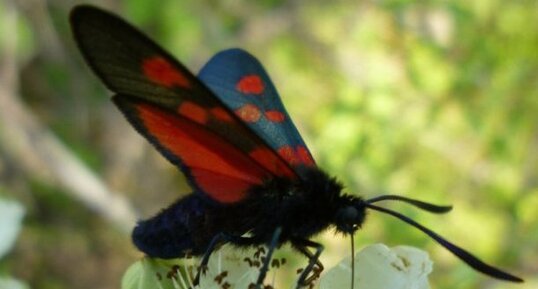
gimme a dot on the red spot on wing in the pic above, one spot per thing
(193, 111)
(250, 84)
(304, 156)
(217, 167)
(288, 154)
(297, 156)
(221, 114)
(271, 162)
(160, 71)
(248, 113)
(274, 116)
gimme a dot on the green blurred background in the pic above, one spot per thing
(436, 100)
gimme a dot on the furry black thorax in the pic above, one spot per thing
(304, 207)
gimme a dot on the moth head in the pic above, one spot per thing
(350, 215)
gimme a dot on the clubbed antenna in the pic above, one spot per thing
(465, 256)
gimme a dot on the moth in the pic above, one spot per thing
(253, 178)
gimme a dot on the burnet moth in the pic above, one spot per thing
(254, 180)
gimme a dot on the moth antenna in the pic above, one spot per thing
(429, 207)
(465, 256)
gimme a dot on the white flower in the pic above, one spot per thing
(376, 267)
(11, 214)
(228, 268)
(379, 267)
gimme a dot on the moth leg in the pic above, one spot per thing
(203, 265)
(313, 259)
(316, 270)
(265, 267)
(218, 239)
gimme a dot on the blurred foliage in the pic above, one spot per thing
(432, 99)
